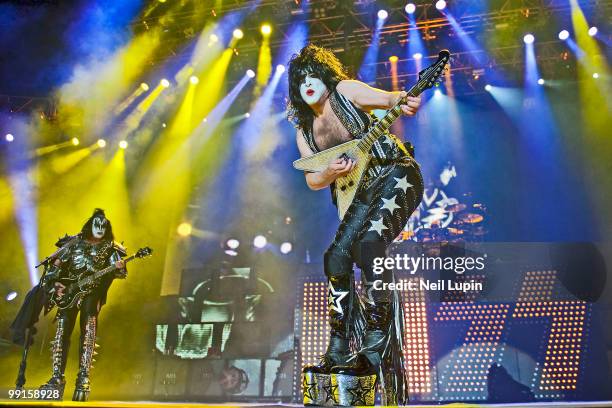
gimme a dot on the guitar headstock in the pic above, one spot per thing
(143, 252)
(430, 76)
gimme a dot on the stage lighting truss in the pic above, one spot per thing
(347, 25)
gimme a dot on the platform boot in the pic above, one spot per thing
(356, 381)
(86, 353)
(316, 379)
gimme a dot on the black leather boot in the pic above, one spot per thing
(59, 354)
(317, 388)
(357, 380)
(87, 351)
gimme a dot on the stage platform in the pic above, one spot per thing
(147, 404)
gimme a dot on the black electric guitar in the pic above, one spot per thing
(77, 288)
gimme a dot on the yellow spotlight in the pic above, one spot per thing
(266, 29)
(393, 58)
(101, 142)
(123, 144)
(194, 80)
(144, 86)
(213, 38)
(238, 34)
(184, 229)
(595, 75)
(75, 141)
(165, 83)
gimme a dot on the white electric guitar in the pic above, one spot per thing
(359, 149)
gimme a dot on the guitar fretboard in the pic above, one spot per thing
(97, 275)
(425, 81)
(365, 144)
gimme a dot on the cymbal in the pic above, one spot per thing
(471, 218)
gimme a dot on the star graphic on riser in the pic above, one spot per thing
(378, 226)
(390, 204)
(330, 392)
(335, 297)
(402, 183)
(359, 394)
(308, 388)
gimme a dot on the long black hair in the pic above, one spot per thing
(86, 230)
(323, 64)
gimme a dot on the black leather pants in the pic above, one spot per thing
(376, 217)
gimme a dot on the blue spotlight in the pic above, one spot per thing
(382, 14)
(541, 81)
(280, 68)
(415, 43)
(417, 55)
(250, 73)
(286, 247)
(488, 88)
(465, 39)
(9, 137)
(367, 71)
(440, 4)
(410, 8)
(260, 241)
(563, 35)
(528, 39)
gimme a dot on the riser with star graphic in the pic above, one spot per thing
(451, 345)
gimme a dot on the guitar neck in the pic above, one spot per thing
(97, 275)
(365, 144)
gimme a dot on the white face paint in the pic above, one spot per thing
(312, 89)
(98, 227)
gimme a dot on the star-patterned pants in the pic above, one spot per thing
(378, 214)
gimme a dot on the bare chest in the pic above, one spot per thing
(328, 131)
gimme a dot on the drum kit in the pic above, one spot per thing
(457, 221)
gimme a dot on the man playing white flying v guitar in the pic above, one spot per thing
(376, 185)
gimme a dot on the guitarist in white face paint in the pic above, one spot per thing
(91, 250)
(329, 109)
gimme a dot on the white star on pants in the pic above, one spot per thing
(402, 183)
(334, 298)
(390, 204)
(377, 226)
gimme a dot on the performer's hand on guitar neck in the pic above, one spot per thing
(340, 167)
(412, 103)
(120, 273)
